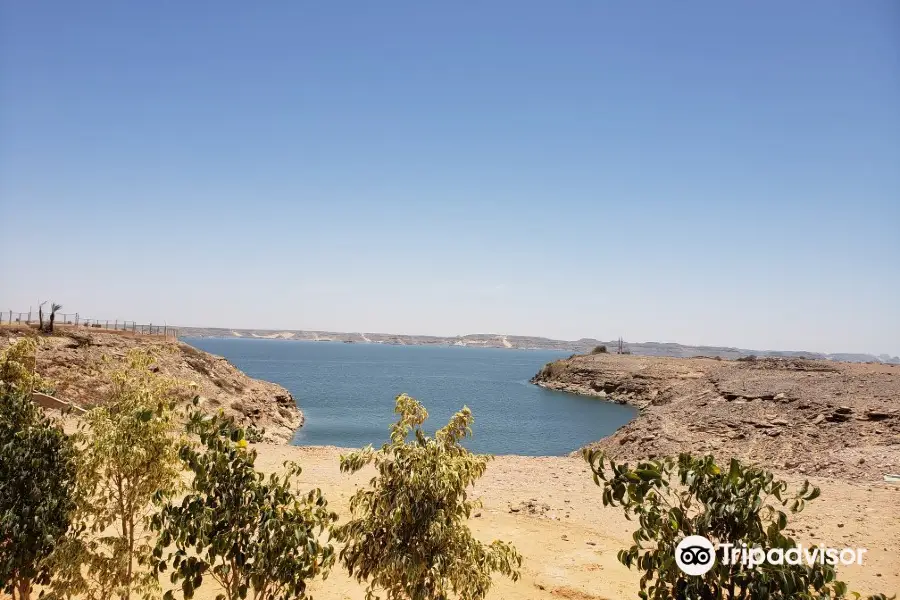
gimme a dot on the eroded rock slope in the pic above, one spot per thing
(805, 416)
(77, 362)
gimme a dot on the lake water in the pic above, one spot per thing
(347, 392)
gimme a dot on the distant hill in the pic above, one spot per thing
(488, 340)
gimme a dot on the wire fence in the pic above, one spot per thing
(30, 318)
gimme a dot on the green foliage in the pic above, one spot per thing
(694, 496)
(254, 434)
(129, 457)
(408, 535)
(599, 350)
(246, 531)
(37, 481)
(17, 367)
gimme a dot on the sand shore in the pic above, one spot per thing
(551, 510)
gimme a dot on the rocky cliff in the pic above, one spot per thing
(73, 360)
(798, 415)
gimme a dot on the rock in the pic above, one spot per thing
(844, 410)
(879, 415)
(779, 396)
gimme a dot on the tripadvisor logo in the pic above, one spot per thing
(696, 555)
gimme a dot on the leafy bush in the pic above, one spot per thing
(599, 350)
(17, 367)
(693, 496)
(129, 457)
(37, 482)
(408, 535)
(246, 531)
(254, 434)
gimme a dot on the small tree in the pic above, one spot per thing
(130, 457)
(599, 350)
(246, 531)
(693, 496)
(408, 535)
(37, 480)
(53, 308)
(18, 363)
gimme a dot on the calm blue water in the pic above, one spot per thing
(347, 392)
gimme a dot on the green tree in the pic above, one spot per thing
(18, 367)
(672, 499)
(246, 531)
(37, 481)
(130, 456)
(408, 534)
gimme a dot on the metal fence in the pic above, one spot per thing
(11, 317)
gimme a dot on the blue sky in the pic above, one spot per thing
(701, 172)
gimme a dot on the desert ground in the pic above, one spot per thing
(550, 509)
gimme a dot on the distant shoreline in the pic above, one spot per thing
(487, 340)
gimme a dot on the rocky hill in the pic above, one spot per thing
(73, 361)
(805, 416)
(492, 340)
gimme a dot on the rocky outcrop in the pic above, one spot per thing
(77, 363)
(799, 415)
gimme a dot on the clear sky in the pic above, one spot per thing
(700, 172)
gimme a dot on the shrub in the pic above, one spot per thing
(599, 350)
(254, 434)
(408, 535)
(17, 367)
(693, 496)
(37, 482)
(129, 457)
(246, 531)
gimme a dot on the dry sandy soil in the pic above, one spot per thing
(551, 510)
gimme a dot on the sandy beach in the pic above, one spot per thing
(550, 509)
